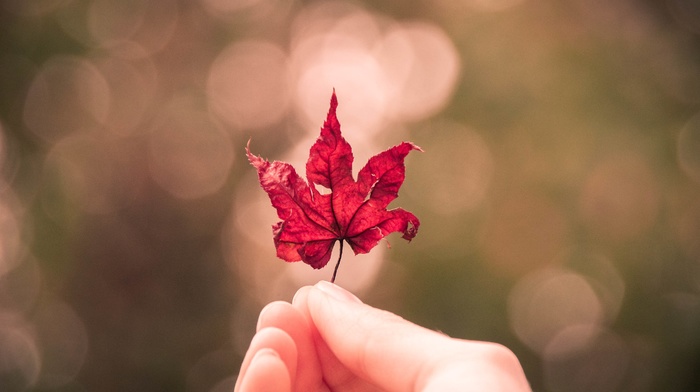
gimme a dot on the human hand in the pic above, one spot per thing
(328, 340)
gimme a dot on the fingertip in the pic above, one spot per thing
(266, 372)
(292, 321)
(301, 295)
(271, 308)
(325, 301)
(284, 316)
(336, 292)
(274, 339)
(377, 345)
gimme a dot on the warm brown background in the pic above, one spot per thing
(559, 191)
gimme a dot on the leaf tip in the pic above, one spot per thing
(411, 229)
(247, 149)
(252, 158)
(334, 101)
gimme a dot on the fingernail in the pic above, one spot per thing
(261, 315)
(299, 293)
(337, 292)
(262, 354)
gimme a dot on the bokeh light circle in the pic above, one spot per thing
(63, 341)
(428, 68)
(620, 197)
(248, 84)
(459, 169)
(21, 288)
(69, 95)
(20, 358)
(542, 304)
(190, 156)
(149, 23)
(600, 361)
(133, 86)
(110, 21)
(94, 174)
(405, 71)
(330, 64)
(332, 47)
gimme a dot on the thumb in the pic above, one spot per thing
(377, 345)
(397, 355)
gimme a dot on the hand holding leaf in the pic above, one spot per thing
(354, 211)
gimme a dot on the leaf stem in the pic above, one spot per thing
(340, 256)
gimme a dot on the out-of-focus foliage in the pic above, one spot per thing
(559, 191)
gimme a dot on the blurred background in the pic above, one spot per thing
(559, 190)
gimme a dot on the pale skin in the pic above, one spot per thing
(328, 340)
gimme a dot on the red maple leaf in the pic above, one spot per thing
(354, 212)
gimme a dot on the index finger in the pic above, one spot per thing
(379, 346)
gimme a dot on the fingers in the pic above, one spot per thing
(286, 317)
(327, 339)
(397, 355)
(266, 373)
(375, 345)
(336, 375)
(270, 363)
